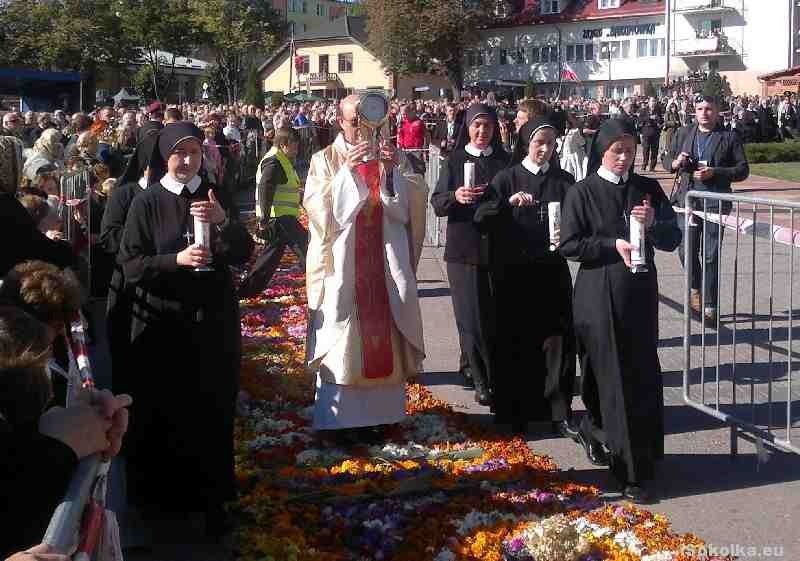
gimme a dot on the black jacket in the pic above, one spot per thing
(724, 153)
(650, 122)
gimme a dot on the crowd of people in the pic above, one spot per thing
(155, 230)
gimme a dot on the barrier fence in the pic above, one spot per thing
(434, 226)
(739, 367)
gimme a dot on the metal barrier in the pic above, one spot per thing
(747, 378)
(434, 225)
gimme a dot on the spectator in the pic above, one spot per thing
(650, 122)
(48, 150)
(766, 121)
(411, 134)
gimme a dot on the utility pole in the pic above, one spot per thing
(560, 63)
(668, 39)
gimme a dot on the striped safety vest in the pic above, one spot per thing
(287, 196)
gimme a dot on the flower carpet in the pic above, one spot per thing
(438, 487)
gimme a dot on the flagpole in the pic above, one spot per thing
(291, 56)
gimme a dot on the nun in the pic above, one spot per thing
(134, 181)
(533, 350)
(465, 249)
(184, 353)
(616, 309)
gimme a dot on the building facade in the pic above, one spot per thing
(335, 62)
(311, 15)
(613, 48)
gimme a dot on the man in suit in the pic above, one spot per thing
(706, 158)
(446, 131)
(650, 121)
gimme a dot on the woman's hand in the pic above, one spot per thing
(194, 256)
(41, 552)
(645, 213)
(469, 195)
(521, 199)
(624, 249)
(208, 211)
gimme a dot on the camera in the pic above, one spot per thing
(690, 165)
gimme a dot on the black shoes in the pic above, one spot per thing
(469, 383)
(594, 449)
(637, 494)
(566, 429)
(482, 397)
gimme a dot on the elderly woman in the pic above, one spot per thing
(48, 149)
(616, 310)
(15, 222)
(185, 334)
(478, 144)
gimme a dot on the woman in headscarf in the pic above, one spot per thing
(185, 335)
(533, 351)
(465, 252)
(120, 297)
(22, 240)
(48, 149)
(616, 310)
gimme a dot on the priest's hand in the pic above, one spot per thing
(41, 552)
(645, 213)
(624, 249)
(194, 256)
(355, 155)
(208, 211)
(521, 199)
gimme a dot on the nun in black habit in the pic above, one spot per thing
(120, 299)
(465, 251)
(533, 350)
(616, 310)
(185, 335)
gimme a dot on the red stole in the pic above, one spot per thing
(372, 297)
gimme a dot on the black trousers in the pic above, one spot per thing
(649, 151)
(473, 307)
(282, 232)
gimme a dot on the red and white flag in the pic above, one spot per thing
(568, 74)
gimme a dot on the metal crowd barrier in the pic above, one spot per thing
(739, 368)
(434, 226)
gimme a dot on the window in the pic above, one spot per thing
(570, 53)
(579, 53)
(650, 47)
(535, 56)
(624, 49)
(605, 4)
(503, 56)
(517, 56)
(589, 51)
(641, 47)
(324, 66)
(345, 62)
(322, 10)
(550, 6)
(549, 54)
(710, 28)
(609, 50)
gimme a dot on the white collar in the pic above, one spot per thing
(533, 167)
(473, 151)
(143, 182)
(610, 176)
(176, 187)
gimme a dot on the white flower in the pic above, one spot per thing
(445, 555)
(308, 456)
(269, 424)
(628, 540)
(392, 451)
(660, 556)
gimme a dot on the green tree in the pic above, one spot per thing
(530, 88)
(717, 86)
(410, 36)
(236, 30)
(650, 89)
(162, 30)
(254, 91)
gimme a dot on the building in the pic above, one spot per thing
(313, 15)
(612, 48)
(777, 83)
(334, 62)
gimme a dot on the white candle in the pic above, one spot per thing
(638, 260)
(554, 219)
(469, 174)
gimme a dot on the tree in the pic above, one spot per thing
(650, 89)
(717, 86)
(162, 30)
(530, 88)
(236, 30)
(411, 36)
(254, 91)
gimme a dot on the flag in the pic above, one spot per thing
(568, 74)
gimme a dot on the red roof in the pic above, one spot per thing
(795, 70)
(583, 10)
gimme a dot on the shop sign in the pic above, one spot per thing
(620, 30)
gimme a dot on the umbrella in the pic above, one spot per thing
(303, 97)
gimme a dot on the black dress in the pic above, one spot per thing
(184, 355)
(533, 348)
(616, 319)
(466, 254)
(120, 297)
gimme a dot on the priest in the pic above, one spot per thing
(366, 224)
(616, 310)
(185, 335)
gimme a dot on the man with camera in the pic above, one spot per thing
(706, 158)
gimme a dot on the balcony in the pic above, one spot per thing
(706, 6)
(712, 46)
(318, 79)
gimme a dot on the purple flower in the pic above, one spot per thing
(516, 545)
